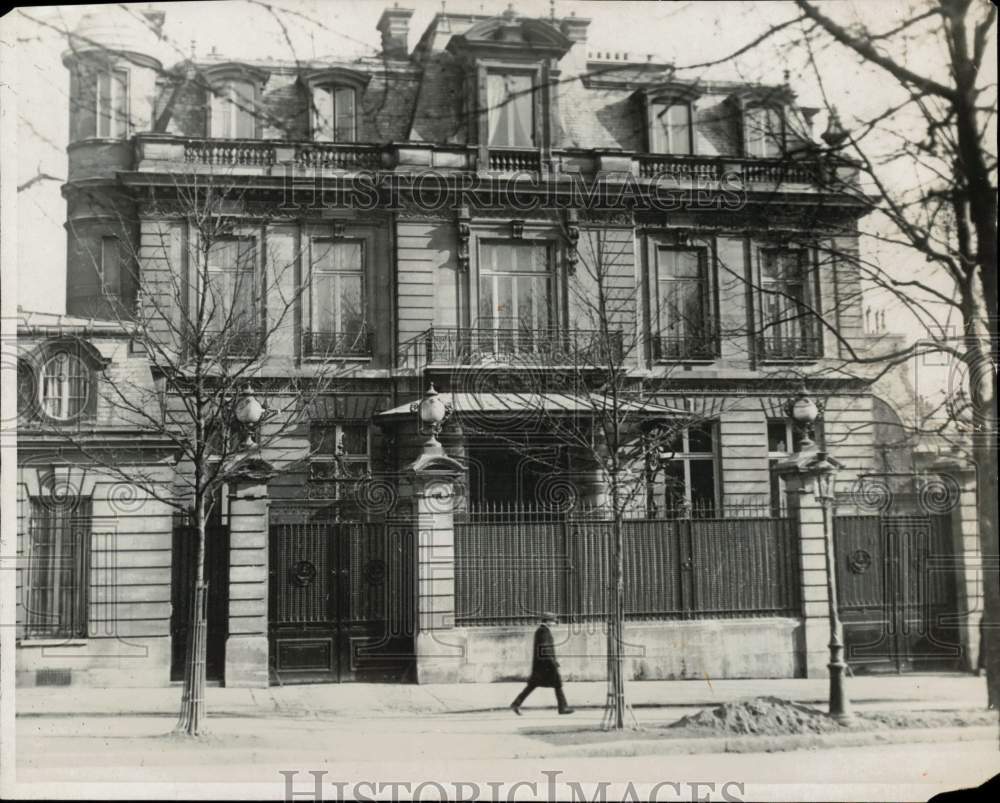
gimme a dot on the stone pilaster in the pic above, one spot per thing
(961, 480)
(247, 643)
(430, 486)
(802, 473)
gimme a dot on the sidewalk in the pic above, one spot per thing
(896, 692)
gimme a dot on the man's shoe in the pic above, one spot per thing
(515, 708)
(566, 710)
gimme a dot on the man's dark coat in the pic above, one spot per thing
(544, 666)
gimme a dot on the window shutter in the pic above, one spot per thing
(344, 130)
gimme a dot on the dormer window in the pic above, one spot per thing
(233, 115)
(234, 101)
(510, 108)
(670, 131)
(65, 381)
(334, 114)
(334, 97)
(764, 131)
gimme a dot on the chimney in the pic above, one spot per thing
(394, 25)
(575, 27)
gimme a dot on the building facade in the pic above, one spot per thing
(493, 209)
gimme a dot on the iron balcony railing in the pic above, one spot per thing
(695, 345)
(544, 347)
(356, 344)
(789, 347)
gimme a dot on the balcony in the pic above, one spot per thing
(515, 160)
(778, 348)
(700, 346)
(704, 171)
(521, 348)
(331, 345)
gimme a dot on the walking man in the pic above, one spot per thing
(544, 667)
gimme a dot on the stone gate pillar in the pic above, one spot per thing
(955, 493)
(429, 485)
(807, 475)
(247, 643)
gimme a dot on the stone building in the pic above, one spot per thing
(455, 207)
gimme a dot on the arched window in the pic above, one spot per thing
(671, 127)
(764, 133)
(64, 385)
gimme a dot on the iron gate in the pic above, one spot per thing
(341, 601)
(896, 579)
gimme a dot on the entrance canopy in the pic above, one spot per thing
(501, 404)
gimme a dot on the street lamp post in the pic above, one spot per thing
(432, 413)
(804, 413)
(249, 413)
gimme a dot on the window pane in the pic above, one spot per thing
(65, 381)
(352, 317)
(703, 486)
(120, 102)
(345, 117)
(86, 109)
(323, 114)
(777, 436)
(678, 128)
(354, 440)
(510, 104)
(58, 568)
(110, 266)
(242, 100)
(679, 264)
(700, 438)
(104, 104)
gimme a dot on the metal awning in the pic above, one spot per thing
(551, 403)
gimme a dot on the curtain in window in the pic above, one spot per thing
(233, 111)
(681, 296)
(763, 131)
(337, 289)
(514, 286)
(335, 117)
(786, 319)
(510, 110)
(344, 115)
(671, 128)
(58, 575)
(231, 294)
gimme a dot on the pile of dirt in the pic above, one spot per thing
(765, 716)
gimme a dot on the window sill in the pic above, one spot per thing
(51, 642)
(317, 358)
(789, 360)
(685, 360)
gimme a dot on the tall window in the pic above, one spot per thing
(65, 386)
(231, 296)
(671, 131)
(786, 302)
(689, 469)
(58, 568)
(337, 293)
(338, 451)
(510, 105)
(682, 305)
(233, 110)
(514, 286)
(764, 131)
(102, 98)
(111, 266)
(334, 114)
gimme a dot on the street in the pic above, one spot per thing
(244, 757)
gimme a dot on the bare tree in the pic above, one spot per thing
(207, 317)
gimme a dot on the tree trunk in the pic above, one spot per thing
(616, 629)
(192, 712)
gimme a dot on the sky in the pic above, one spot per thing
(685, 33)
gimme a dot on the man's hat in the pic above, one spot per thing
(548, 616)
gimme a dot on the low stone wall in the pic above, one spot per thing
(109, 662)
(718, 648)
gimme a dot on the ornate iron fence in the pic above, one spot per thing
(512, 564)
